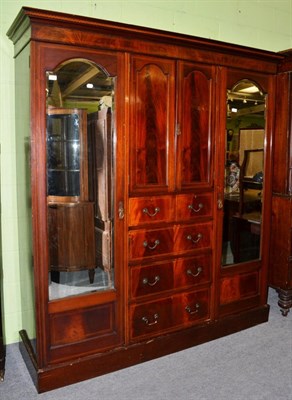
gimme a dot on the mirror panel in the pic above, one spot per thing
(80, 141)
(244, 177)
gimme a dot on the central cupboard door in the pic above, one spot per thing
(170, 194)
(171, 125)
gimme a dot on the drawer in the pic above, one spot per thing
(192, 237)
(149, 210)
(152, 279)
(192, 271)
(157, 317)
(145, 243)
(191, 206)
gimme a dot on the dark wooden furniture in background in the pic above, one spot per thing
(280, 275)
(71, 235)
(171, 291)
(248, 218)
(2, 349)
(70, 214)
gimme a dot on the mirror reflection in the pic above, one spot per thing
(244, 178)
(80, 178)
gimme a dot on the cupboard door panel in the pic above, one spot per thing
(194, 124)
(149, 210)
(152, 115)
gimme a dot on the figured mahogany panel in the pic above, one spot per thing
(239, 287)
(191, 206)
(180, 310)
(77, 325)
(148, 210)
(83, 330)
(152, 114)
(195, 105)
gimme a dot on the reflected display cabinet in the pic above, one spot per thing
(69, 210)
(122, 140)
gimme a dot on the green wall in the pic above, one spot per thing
(256, 23)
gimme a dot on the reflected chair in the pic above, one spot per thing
(246, 223)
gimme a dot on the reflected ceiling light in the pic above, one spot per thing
(250, 89)
(52, 77)
(233, 109)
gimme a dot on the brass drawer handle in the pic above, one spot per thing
(146, 282)
(146, 211)
(155, 318)
(199, 270)
(196, 210)
(192, 312)
(156, 243)
(199, 237)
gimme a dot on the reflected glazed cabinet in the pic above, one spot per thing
(70, 214)
(147, 214)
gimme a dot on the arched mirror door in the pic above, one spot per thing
(244, 173)
(80, 178)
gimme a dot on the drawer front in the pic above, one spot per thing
(192, 237)
(157, 317)
(152, 279)
(150, 243)
(192, 271)
(149, 210)
(192, 206)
